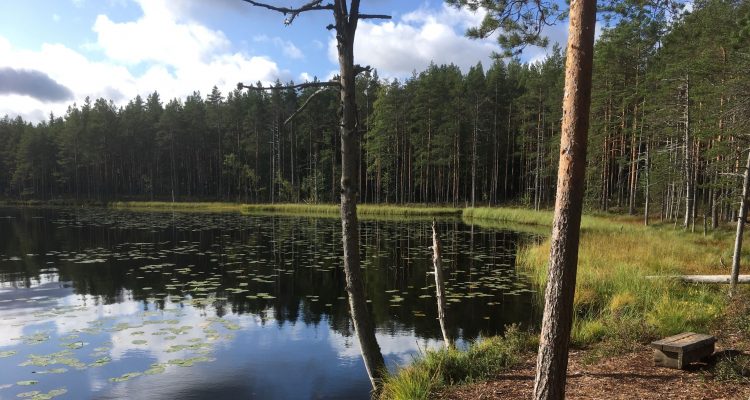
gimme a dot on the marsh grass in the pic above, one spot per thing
(291, 209)
(617, 308)
(480, 361)
(615, 303)
(177, 206)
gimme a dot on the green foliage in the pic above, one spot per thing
(616, 304)
(519, 23)
(363, 210)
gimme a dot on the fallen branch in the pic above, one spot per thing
(702, 278)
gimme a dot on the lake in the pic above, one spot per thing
(104, 304)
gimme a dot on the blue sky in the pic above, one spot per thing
(118, 49)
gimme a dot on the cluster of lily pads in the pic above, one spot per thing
(192, 345)
(210, 261)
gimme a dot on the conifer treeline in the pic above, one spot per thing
(669, 123)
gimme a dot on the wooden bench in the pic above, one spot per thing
(680, 350)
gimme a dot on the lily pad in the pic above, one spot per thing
(126, 377)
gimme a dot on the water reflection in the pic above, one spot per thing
(160, 305)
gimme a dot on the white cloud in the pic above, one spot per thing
(157, 36)
(399, 347)
(396, 48)
(176, 56)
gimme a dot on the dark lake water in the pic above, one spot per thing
(104, 304)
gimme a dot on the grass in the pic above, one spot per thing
(292, 209)
(179, 206)
(617, 308)
(615, 302)
(480, 361)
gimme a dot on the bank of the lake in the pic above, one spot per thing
(617, 309)
(314, 210)
(224, 304)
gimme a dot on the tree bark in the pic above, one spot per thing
(740, 230)
(552, 359)
(346, 25)
(437, 262)
(688, 175)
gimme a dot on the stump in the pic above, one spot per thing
(680, 350)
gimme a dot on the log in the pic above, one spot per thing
(437, 261)
(702, 278)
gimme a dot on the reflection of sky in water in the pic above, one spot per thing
(317, 362)
(273, 323)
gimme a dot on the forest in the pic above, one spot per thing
(667, 137)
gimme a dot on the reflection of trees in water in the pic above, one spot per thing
(300, 265)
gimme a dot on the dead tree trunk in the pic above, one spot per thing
(346, 25)
(740, 229)
(552, 360)
(437, 262)
(688, 175)
(346, 16)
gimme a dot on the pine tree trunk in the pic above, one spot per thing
(363, 324)
(740, 229)
(688, 175)
(557, 319)
(646, 194)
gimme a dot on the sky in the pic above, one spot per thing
(54, 53)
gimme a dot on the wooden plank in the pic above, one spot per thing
(689, 343)
(683, 342)
(659, 344)
(696, 354)
(702, 278)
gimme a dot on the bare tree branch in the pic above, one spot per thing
(304, 105)
(358, 69)
(305, 85)
(292, 13)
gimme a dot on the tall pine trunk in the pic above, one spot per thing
(552, 361)
(740, 229)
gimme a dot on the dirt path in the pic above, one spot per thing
(630, 376)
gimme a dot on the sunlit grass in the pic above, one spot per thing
(480, 361)
(619, 305)
(615, 300)
(178, 206)
(291, 209)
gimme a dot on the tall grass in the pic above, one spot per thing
(616, 301)
(544, 218)
(617, 307)
(295, 209)
(362, 209)
(480, 361)
(178, 206)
